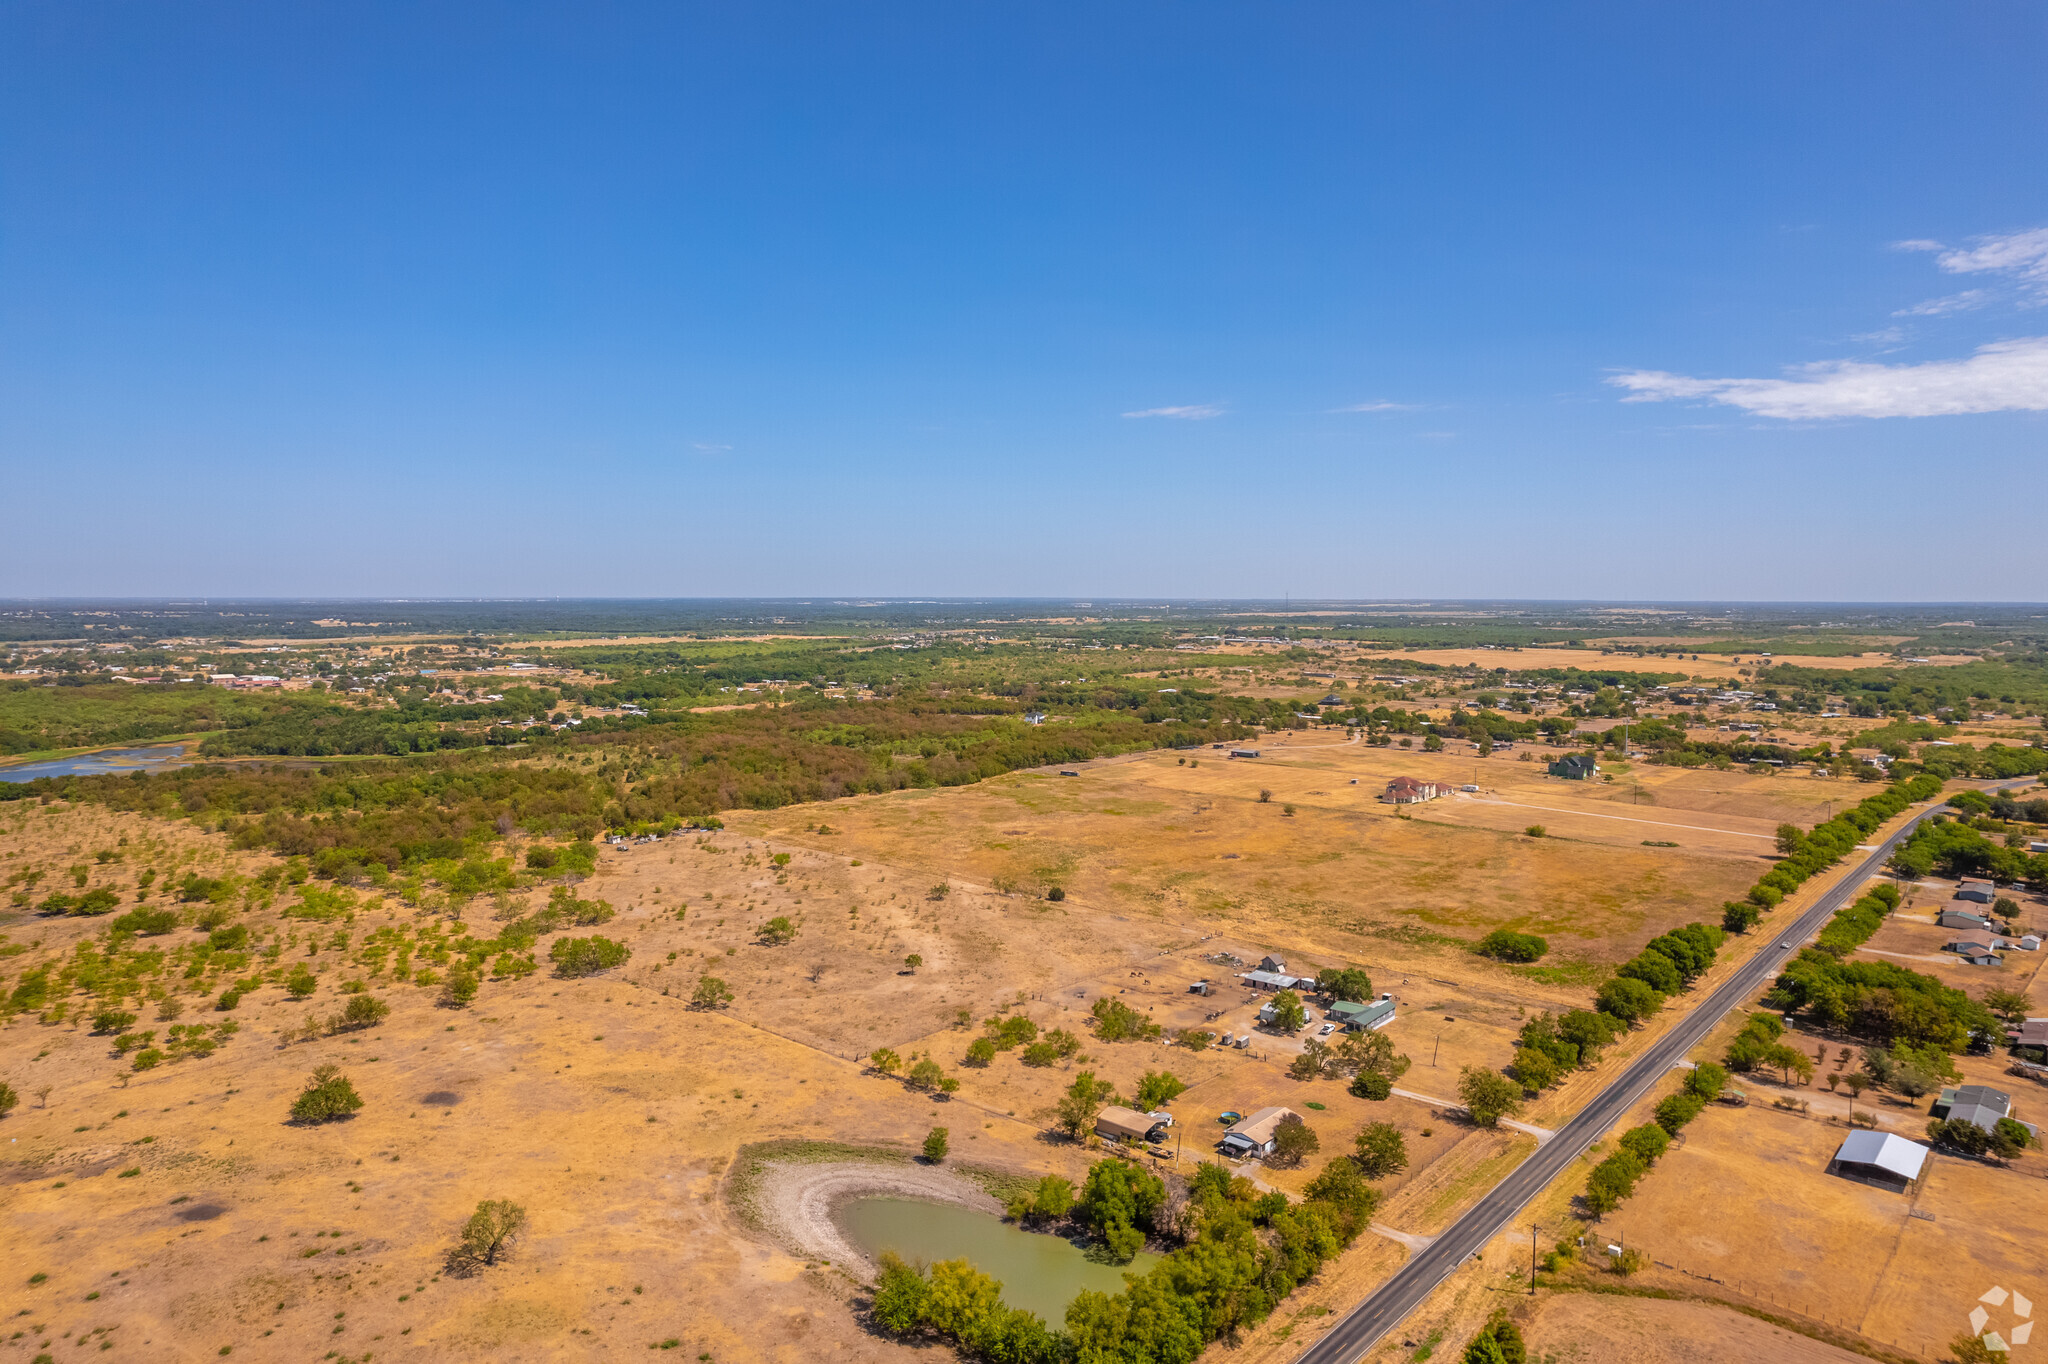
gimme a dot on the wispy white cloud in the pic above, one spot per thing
(1888, 336)
(1952, 303)
(1380, 406)
(706, 448)
(2023, 255)
(1198, 412)
(2002, 377)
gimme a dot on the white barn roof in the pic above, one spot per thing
(1884, 1150)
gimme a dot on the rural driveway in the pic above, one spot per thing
(1361, 1328)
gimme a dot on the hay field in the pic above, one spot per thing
(1193, 847)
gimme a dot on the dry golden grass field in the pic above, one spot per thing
(176, 1211)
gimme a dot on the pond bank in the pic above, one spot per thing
(798, 1201)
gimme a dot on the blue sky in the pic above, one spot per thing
(1570, 301)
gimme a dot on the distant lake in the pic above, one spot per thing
(106, 762)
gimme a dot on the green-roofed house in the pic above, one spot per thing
(1366, 1017)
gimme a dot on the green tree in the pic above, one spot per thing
(1707, 1080)
(301, 982)
(885, 1060)
(488, 1235)
(1077, 1109)
(1534, 1069)
(1116, 1021)
(1499, 1342)
(1313, 1061)
(1791, 838)
(1382, 1151)
(1738, 917)
(2010, 1138)
(912, 962)
(1288, 1013)
(1293, 1142)
(711, 993)
(980, 1052)
(328, 1095)
(778, 931)
(1488, 1095)
(1345, 983)
(926, 1076)
(8, 1098)
(1117, 1200)
(1158, 1088)
(1370, 1084)
(898, 1305)
(1628, 999)
(1655, 970)
(935, 1145)
(2010, 1005)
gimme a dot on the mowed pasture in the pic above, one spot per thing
(1344, 876)
(1747, 1200)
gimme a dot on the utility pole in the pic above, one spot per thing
(1532, 1259)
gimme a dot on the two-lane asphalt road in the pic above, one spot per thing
(1363, 1326)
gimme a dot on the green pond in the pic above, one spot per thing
(1039, 1273)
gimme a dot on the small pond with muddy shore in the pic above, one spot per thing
(1039, 1273)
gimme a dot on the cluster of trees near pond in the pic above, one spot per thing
(1239, 1255)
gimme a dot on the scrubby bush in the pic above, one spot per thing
(362, 1011)
(587, 956)
(328, 1095)
(459, 989)
(1116, 1021)
(1506, 945)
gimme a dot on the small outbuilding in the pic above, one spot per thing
(1882, 1160)
(1972, 888)
(1963, 918)
(1126, 1124)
